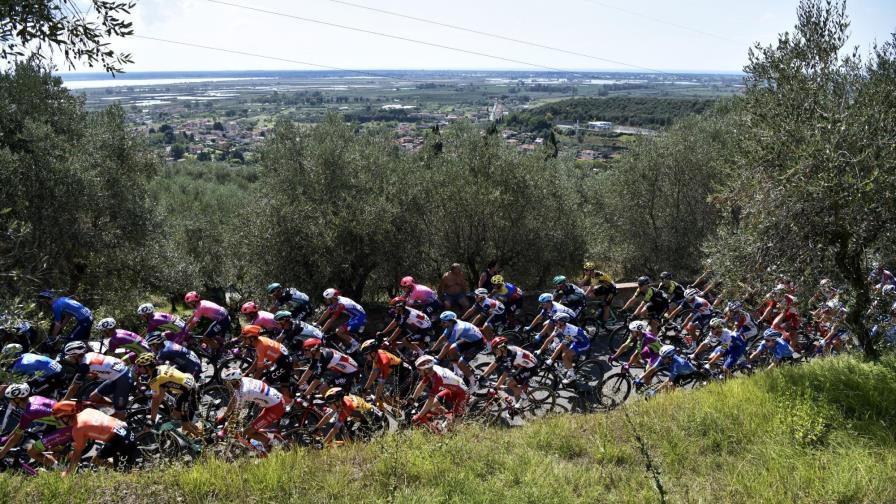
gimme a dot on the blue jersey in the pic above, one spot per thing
(35, 365)
(680, 367)
(67, 306)
(183, 358)
(555, 309)
(779, 351)
(463, 331)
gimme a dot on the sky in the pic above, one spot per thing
(681, 35)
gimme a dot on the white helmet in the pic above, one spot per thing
(667, 351)
(425, 362)
(106, 323)
(74, 348)
(888, 290)
(717, 323)
(146, 309)
(638, 325)
(481, 292)
(691, 293)
(12, 350)
(17, 390)
(155, 338)
(330, 293)
(231, 374)
(834, 305)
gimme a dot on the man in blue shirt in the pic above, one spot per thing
(64, 310)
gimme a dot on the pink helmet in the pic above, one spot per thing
(407, 281)
(249, 307)
(192, 297)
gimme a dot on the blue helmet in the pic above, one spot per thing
(448, 316)
(771, 334)
(545, 298)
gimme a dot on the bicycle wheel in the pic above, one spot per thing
(617, 338)
(540, 401)
(241, 363)
(213, 401)
(615, 390)
(590, 372)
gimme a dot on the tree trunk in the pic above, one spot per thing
(850, 261)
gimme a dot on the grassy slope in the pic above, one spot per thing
(818, 433)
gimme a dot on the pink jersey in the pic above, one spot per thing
(209, 310)
(265, 319)
(421, 294)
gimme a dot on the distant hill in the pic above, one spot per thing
(628, 111)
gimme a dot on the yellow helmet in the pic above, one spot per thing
(145, 360)
(588, 265)
(497, 280)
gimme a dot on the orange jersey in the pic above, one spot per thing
(385, 361)
(96, 425)
(268, 351)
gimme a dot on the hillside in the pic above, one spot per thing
(628, 111)
(817, 433)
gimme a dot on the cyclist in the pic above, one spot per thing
(701, 314)
(678, 366)
(131, 343)
(653, 305)
(647, 346)
(776, 346)
(382, 364)
(744, 325)
(293, 331)
(159, 321)
(118, 440)
(213, 336)
(549, 310)
(261, 318)
(297, 303)
(249, 390)
(601, 285)
(170, 352)
(674, 291)
(272, 361)
(516, 366)
(357, 318)
(420, 296)
(879, 277)
(787, 320)
(341, 407)
(460, 343)
(409, 327)
(44, 375)
(446, 392)
(727, 344)
(508, 294)
(569, 294)
(574, 343)
(328, 367)
(115, 374)
(36, 418)
(64, 310)
(832, 326)
(169, 380)
(489, 313)
(20, 333)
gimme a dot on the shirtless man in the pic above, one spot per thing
(453, 289)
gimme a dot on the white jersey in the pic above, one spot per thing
(342, 363)
(446, 379)
(723, 339)
(104, 367)
(258, 392)
(416, 318)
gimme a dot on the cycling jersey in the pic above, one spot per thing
(129, 341)
(256, 392)
(35, 366)
(265, 319)
(183, 358)
(208, 310)
(680, 367)
(413, 319)
(38, 410)
(171, 379)
(165, 322)
(421, 295)
(299, 332)
(780, 349)
(344, 304)
(267, 351)
(104, 366)
(699, 307)
(294, 301)
(507, 292)
(516, 357)
(744, 325)
(655, 296)
(555, 309)
(571, 294)
(335, 361)
(443, 379)
(574, 338)
(385, 361)
(96, 425)
(725, 340)
(463, 331)
(672, 289)
(349, 405)
(64, 306)
(490, 306)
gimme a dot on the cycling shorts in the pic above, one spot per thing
(355, 325)
(453, 400)
(268, 416)
(118, 389)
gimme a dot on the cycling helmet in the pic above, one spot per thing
(155, 338)
(334, 394)
(145, 360)
(889, 290)
(481, 292)
(369, 346)
(330, 293)
(691, 293)
(398, 301)
(499, 342)
(192, 297)
(561, 317)
(545, 298)
(274, 287)
(251, 331)
(771, 334)
(497, 280)
(249, 307)
(643, 280)
(282, 315)
(665, 275)
(835, 305)
(12, 350)
(407, 281)
(448, 316)
(65, 408)
(588, 265)
(311, 344)
(74, 348)
(106, 324)
(146, 309)
(825, 283)
(667, 351)
(638, 325)
(425, 362)
(734, 306)
(716, 323)
(231, 374)
(17, 390)
(559, 280)
(47, 294)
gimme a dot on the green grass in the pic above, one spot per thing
(818, 433)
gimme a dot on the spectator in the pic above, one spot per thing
(485, 278)
(453, 289)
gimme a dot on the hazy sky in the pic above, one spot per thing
(646, 33)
